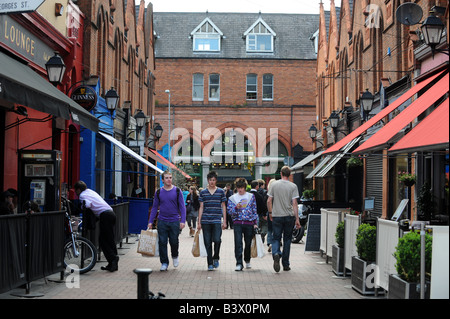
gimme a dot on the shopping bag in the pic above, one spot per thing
(148, 242)
(201, 241)
(196, 244)
(259, 246)
(253, 248)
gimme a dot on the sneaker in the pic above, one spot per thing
(216, 263)
(164, 267)
(286, 268)
(248, 265)
(176, 261)
(276, 263)
(238, 268)
(210, 268)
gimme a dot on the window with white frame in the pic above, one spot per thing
(259, 37)
(206, 37)
(197, 87)
(214, 87)
(252, 86)
(268, 87)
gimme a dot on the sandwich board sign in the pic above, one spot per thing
(18, 6)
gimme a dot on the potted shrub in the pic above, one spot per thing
(338, 250)
(363, 264)
(404, 285)
(309, 194)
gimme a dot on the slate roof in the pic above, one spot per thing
(293, 32)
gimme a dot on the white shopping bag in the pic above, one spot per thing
(259, 246)
(203, 252)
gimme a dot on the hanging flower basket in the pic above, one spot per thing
(408, 179)
(354, 162)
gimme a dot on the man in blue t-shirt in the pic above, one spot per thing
(212, 218)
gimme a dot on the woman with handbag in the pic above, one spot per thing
(242, 208)
(192, 209)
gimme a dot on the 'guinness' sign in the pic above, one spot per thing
(85, 96)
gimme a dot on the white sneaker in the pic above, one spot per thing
(164, 267)
(248, 266)
(238, 268)
(176, 262)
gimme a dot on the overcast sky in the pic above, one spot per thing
(251, 6)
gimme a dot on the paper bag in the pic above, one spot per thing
(196, 245)
(253, 248)
(148, 243)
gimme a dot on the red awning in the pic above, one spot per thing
(159, 158)
(430, 134)
(420, 105)
(379, 116)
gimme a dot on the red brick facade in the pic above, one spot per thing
(293, 93)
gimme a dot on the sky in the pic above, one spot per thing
(247, 6)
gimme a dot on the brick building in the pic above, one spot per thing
(364, 47)
(118, 47)
(247, 77)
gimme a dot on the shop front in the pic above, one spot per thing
(36, 116)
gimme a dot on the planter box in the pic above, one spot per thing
(338, 261)
(363, 277)
(401, 289)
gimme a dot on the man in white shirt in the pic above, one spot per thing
(105, 213)
(283, 212)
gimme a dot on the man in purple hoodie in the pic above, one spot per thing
(171, 218)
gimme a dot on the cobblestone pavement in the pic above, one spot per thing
(310, 277)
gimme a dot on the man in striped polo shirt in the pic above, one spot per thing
(212, 218)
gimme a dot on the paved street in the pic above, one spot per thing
(310, 278)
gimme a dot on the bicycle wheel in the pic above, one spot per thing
(80, 258)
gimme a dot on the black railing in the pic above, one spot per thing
(31, 248)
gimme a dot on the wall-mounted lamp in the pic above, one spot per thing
(313, 133)
(140, 120)
(55, 69)
(111, 98)
(432, 29)
(366, 102)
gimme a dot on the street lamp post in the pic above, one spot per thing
(170, 148)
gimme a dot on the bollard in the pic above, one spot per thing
(142, 284)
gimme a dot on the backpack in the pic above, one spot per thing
(178, 196)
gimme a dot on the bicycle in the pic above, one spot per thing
(80, 254)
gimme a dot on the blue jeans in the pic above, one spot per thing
(247, 231)
(168, 232)
(212, 233)
(282, 226)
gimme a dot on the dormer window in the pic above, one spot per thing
(259, 37)
(206, 37)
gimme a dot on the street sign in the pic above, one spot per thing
(16, 6)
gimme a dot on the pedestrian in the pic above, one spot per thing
(242, 207)
(91, 200)
(228, 193)
(192, 210)
(269, 220)
(212, 218)
(264, 221)
(283, 210)
(261, 208)
(6, 203)
(171, 219)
